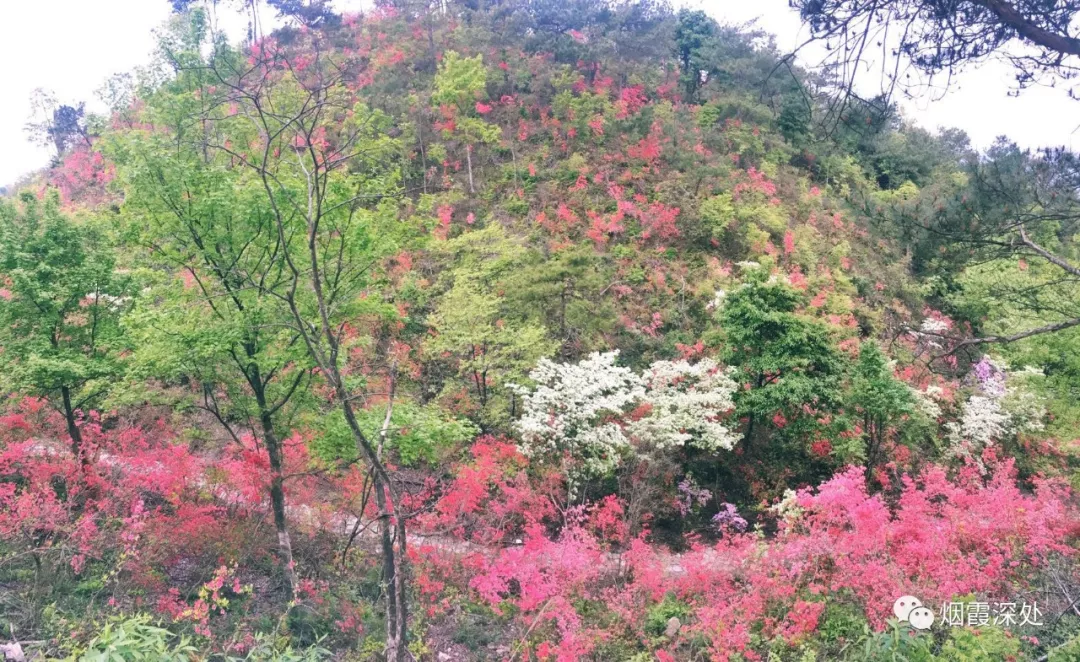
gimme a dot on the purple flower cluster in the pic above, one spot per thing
(729, 518)
(991, 377)
(690, 495)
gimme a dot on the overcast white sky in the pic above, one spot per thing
(71, 46)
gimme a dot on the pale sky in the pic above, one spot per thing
(71, 47)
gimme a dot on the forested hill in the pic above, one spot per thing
(565, 289)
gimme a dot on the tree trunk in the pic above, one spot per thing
(390, 527)
(389, 573)
(277, 479)
(748, 440)
(873, 432)
(468, 161)
(73, 429)
(748, 436)
(277, 503)
(392, 580)
(328, 359)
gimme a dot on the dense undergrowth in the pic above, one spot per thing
(659, 367)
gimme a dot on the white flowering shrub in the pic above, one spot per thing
(787, 509)
(113, 303)
(717, 302)
(927, 401)
(983, 421)
(930, 331)
(934, 325)
(564, 413)
(686, 402)
(581, 409)
(1004, 405)
(1026, 408)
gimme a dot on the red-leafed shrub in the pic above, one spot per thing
(143, 511)
(492, 498)
(836, 544)
(82, 177)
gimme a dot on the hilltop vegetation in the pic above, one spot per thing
(532, 330)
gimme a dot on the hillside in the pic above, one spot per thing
(529, 330)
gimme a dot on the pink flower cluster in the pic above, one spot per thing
(941, 537)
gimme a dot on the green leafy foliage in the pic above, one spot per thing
(980, 645)
(476, 327)
(61, 306)
(695, 31)
(135, 639)
(898, 643)
(416, 433)
(460, 80)
(352, 234)
(882, 401)
(787, 359)
(660, 614)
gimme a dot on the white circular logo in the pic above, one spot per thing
(921, 618)
(903, 606)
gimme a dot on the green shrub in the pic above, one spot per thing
(657, 618)
(135, 638)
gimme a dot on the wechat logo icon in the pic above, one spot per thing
(910, 609)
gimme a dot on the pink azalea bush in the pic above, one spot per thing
(838, 545)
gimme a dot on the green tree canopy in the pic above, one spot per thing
(60, 312)
(788, 360)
